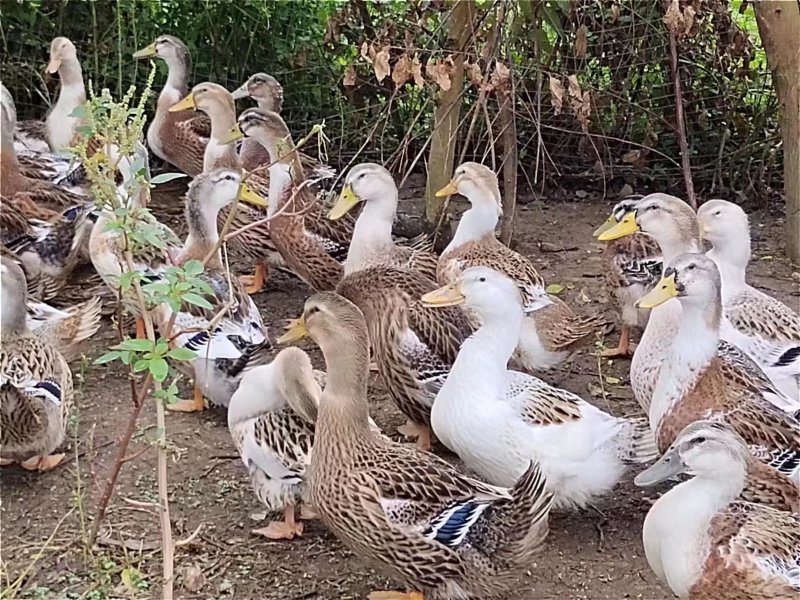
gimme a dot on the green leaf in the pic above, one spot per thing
(554, 288)
(141, 365)
(166, 178)
(107, 357)
(79, 112)
(193, 267)
(182, 354)
(137, 345)
(159, 369)
(197, 300)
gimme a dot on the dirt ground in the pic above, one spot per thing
(593, 554)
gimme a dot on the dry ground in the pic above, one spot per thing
(594, 554)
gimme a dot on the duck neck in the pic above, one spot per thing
(373, 231)
(12, 315)
(223, 119)
(12, 179)
(344, 401)
(693, 348)
(203, 233)
(177, 78)
(732, 260)
(477, 222)
(672, 247)
(713, 491)
(73, 91)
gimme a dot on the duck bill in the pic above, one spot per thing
(664, 468)
(448, 295)
(665, 289)
(147, 52)
(240, 92)
(627, 226)
(185, 104)
(609, 223)
(54, 65)
(448, 190)
(295, 330)
(231, 136)
(249, 196)
(347, 200)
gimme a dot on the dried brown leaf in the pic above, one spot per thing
(582, 41)
(474, 73)
(416, 72)
(574, 87)
(580, 101)
(556, 94)
(440, 72)
(614, 13)
(365, 51)
(381, 64)
(688, 19)
(501, 75)
(673, 18)
(402, 70)
(631, 156)
(349, 79)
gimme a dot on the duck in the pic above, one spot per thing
(271, 420)
(372, 241)
(226, 347)
(498, 420)
(701, 539)
(59, 130)
(691, 383)
(107, 243)
(65, 328)
(411, 514)
(672, 223)
(36, 390)
(762, 326)
(312, 246)
(552, 332)
(176, 137)
(633, 265)
(268, 94)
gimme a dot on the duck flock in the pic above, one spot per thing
(459, 341)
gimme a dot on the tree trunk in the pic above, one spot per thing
(779, 26)
(445, 128)
(509, 137)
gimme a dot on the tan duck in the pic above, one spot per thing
(372, 242)
(65, 328)
(765, 328)
(407, 512)
(633, 266)
(311, 245)
(35, 383)
(268, 94)
(692, 384)
(551, 331)
(179, 137)
(704, 542)
(673, 225)
(271, 420)
(229, 345)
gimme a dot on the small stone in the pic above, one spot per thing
(626, 191)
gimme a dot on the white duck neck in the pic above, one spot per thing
(177, 78)
(477, 222)
(731, 260)
(73, 92)
(373, 231)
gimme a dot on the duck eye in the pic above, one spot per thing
(718, 213)
(312, 310)
(362, 175)
(699, 440)
(482, 279)
(692, 267)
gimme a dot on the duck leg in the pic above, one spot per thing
(307, 512)
(4, 462)
(253, 283)
(395, 596)
(282, 530)
(141, 334)
(421, 432)
(196, 404)
(42, 463)
(624, 348)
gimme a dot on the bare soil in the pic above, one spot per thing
(593, 554)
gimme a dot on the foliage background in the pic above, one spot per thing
(616, 50)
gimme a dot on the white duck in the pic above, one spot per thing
(704, 542)
(499, 420)
(271, 420)
(765, 328)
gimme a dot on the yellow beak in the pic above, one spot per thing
(184, 104)
(347, 200)
(249, 196)
(608, 224)
(53, 65)
(147, 52)
(295, 330)
(234, 134)
(448, 190)
(625, 227)
(664, 290)
(449, 295)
